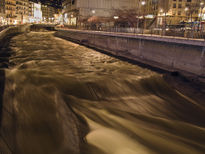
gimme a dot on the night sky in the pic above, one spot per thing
(55, 3)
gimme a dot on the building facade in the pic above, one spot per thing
(148, 7)
(25, 11)
(22, 11)
(2, 7)
(37, 13)
(48, 13)
(76, 10)
(16, 11)
(2, 12)
(31, 12)
(10, 11)
(179, 11)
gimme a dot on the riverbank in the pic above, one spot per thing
(185, 56)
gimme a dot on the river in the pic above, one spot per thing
(58, 97)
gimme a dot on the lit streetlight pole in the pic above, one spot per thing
(200, 19)
(187, 17)
(186, 10)
(161, 17)
(165, 22)
(116, 27)
(143, 3)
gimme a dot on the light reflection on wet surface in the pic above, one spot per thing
(59, 93)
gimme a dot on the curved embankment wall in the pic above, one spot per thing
(13, 30)
(171, 54)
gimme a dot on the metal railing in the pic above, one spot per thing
(168, 32)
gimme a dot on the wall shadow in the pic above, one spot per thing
(5, 53)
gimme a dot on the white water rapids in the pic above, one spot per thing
(60, 97)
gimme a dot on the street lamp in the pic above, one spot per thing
(93, 11)
(160, 20)
(186, 10)
(116, 17)
(202, 6)
(143, 4)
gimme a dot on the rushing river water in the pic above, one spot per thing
(62, 98)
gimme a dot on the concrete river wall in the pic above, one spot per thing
(171, 54)
(13, 30)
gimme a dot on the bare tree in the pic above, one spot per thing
(193, 9)
(126, 18)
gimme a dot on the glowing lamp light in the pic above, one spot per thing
(15, 22)
(143, 2)
(93, 11)
(150, 16)
(116, 17)
(203, 17)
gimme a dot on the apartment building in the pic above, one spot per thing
(2, 7)
(16, 11)
(177, 11)
(31, 11)
(48, 13)
(22, 11)
(10, 11)
(2, 12)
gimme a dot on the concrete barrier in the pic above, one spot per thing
(167, 53)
